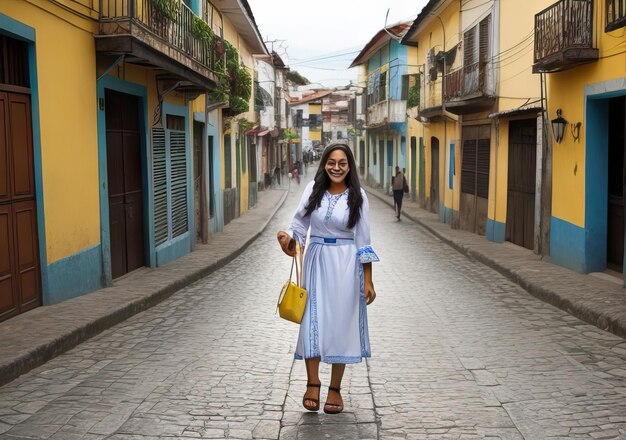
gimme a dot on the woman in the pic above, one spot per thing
(398, 185)
(337, 273)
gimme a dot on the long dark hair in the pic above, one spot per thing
(322, 183)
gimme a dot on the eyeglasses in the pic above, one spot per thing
(332, 164)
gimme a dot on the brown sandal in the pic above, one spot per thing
(333, 408)
(315, 407)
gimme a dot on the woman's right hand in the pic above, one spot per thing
(287, 243)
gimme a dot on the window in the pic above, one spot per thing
(476, 54)
(475, 160)
(382, 87)
(169, 154)
(411, 90)
(377, 88)
(298, 120)
(214, 19)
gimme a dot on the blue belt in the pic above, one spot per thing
(331, 240)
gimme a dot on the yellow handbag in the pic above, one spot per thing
(292, 298)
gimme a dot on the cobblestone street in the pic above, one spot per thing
(458, 351)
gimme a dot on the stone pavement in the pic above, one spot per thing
(32, 338)
(598, 301)
(458, 352)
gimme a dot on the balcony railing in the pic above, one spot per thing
(466, 81)
(564, 35)
(615, 14)
(141, 19)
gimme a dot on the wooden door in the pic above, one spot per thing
(125, 182)
(475, 178)
(617, 145)
(20, 288)
(434, 175)
(520, 207)
(198, 178)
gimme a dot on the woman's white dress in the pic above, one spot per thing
(334, 325)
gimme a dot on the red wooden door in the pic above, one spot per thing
(125, 182)
(20, 288)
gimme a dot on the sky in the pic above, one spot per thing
(321, 38)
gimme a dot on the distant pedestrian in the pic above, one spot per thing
(398, 186)
(337, 273)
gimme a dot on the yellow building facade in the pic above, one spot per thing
(435, 33)
(112, 164)
(586, 89)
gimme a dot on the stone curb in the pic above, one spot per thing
(586, 311)
(52, 347)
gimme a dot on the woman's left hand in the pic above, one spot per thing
(370, 293)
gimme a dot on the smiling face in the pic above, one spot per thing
(337, 166)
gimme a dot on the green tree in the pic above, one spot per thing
(296, 78)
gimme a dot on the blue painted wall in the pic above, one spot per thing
(373, 63)
(567, 245)
(397, 68)
(495, 231)
(76, 275)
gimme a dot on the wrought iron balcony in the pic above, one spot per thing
(564, 36)
(168, 39)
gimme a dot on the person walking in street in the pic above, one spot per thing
(398, 185)
(295, 174)
(337, 273)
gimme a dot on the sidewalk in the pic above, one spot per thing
(590, 298)
(32, 338)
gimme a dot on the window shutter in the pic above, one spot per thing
(160, 185)
(178, 160)
(482, 168)
(485, 26)
(468, 167)
(469, 44)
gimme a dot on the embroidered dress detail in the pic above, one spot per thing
(315, 349)
(332, 202)
(334, 327)
(366, 254)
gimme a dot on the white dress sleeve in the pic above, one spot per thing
(300, 224)
(365, 253)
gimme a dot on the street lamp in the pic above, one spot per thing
(558, 126)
